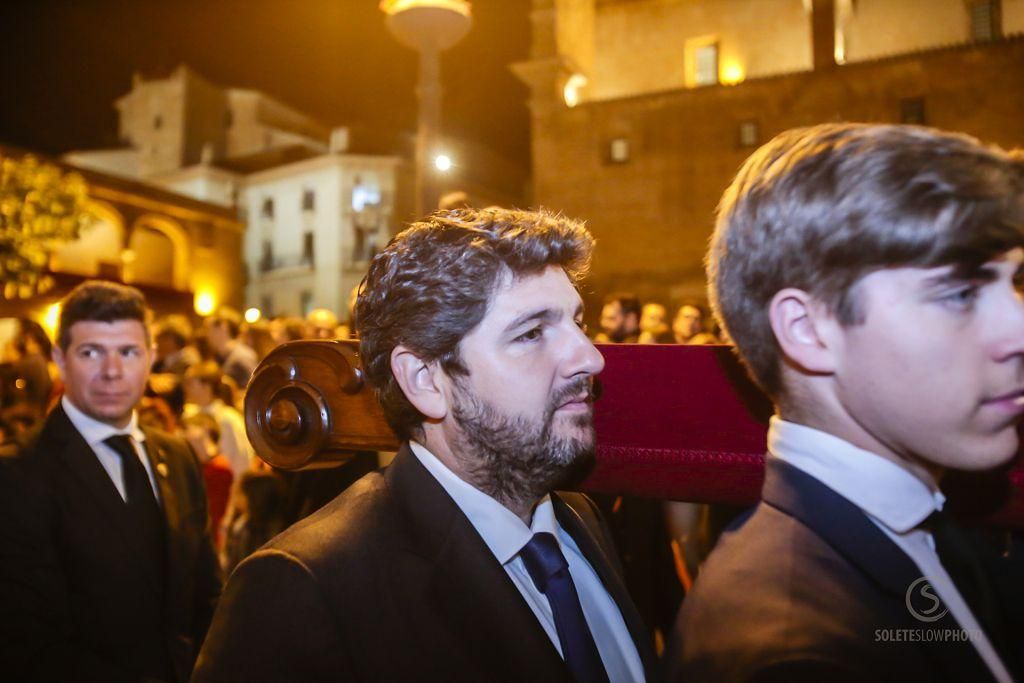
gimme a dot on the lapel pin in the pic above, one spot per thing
(161, 469)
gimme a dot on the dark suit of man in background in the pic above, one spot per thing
(107, 572)
(458, 562)
(867, 277)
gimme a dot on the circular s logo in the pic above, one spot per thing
(923, 603)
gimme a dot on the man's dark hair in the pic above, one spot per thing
(819, 208)
(230, 318)
(100, 301)
(628, 303)
(433, 282)
(175, 327)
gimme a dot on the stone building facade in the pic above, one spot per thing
(646, 152)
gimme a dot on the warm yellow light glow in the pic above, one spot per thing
(732, 73)
(252, 315)
(396, 6)
(443, 163)
(571, 90)
(205, 303)
(51, 316)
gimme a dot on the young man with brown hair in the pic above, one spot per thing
(107, 571)
(460, 561)
(866, 275)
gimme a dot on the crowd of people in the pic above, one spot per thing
(196, 389)
(868, 277)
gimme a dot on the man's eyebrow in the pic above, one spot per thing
(541, 314)
(545, 314)
(957, 274)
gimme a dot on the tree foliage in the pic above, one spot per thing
(41, 208)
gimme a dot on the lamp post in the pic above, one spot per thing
(429, 27)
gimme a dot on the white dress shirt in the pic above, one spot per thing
(505, 534)
(234, 442)
(895, 500)
(95, 432)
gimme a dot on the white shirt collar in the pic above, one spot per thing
(880, 487)
(503, 532)
(95, 432)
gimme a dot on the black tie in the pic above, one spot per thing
(961, 562)
(550, 573)
(143, 510)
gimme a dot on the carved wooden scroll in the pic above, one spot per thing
(674, 422)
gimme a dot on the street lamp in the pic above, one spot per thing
(429, 27)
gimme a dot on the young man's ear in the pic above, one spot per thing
(803, 327)
(420, 381)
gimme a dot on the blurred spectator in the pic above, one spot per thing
(261, 338)
(654, 325)
(321, 324)
(620, 319)
(203, 434)
(154, 413)
(258, 516)
(202, 384)
(287, 329)
(33, 381)
(453, 200)
(19, 425)
(172, 335)
(237, 360)
(689, 326)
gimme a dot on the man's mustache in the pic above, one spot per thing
(588, 387)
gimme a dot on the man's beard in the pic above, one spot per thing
(516, 460)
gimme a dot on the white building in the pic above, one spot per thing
(314, 213)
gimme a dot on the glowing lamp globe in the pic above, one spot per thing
(427, 25)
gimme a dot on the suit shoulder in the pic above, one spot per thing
(774, 592)
(358, 522)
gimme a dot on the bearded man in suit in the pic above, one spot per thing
(460, 561)
(107, 571)
(868, 276)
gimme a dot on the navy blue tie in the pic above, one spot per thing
(550, 573)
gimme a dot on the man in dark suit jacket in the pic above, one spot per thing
(867, 277)
(107, 572)
(459, 561)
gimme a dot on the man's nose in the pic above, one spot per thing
(1011, 338)
(585, 358)
(113, 366)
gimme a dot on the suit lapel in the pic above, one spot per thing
(585, 537)
(849, 531)
(79, 458)
(466, 586)
(156, 453)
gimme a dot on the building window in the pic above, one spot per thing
(618, 150)
(750, 134)
(984, 19)
(308, 200)
(705, 60)
(912, 110)
(307, 248)
(305, 302)
(267, 209)
(267, 256)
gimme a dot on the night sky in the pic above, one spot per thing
(64, 62)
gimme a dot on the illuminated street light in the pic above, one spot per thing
(429, 27)
(571, 91)
(252, 315)
(443, 163)
(205, 303)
